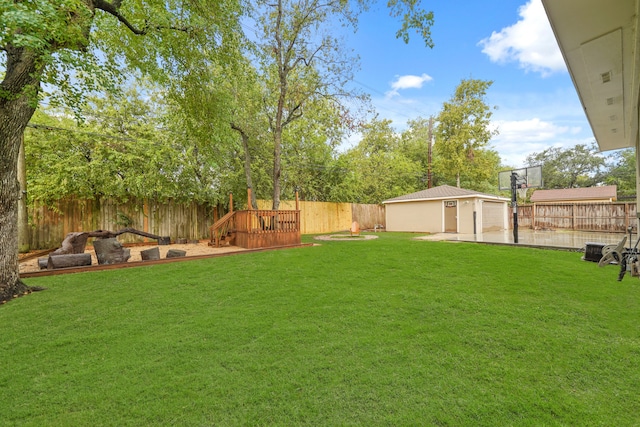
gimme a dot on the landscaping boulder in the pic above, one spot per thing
(176, 253)
(150, 254)
(110, 251)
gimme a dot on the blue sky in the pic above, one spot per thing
(507, 41)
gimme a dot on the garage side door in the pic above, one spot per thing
(492, 216)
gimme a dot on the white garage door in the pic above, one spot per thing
(492, 216)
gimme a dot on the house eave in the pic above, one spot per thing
(599, 44)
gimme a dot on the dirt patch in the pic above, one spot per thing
(346, 237)
(193, 249)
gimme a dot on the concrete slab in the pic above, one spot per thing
(559, 239)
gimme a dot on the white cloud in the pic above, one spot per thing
(519, 138)
(408, 82)
(531, 130)
(529, 42)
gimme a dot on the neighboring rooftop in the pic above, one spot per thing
(605, 193)
(442, 192)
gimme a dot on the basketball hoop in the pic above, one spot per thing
(522, 191)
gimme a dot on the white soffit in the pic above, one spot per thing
(599, 45)
(604, 96)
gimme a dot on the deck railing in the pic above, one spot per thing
(267, 228)
(267, 221)
(221, 229)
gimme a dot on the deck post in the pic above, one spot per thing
(249, 207)
(297, 214)
(230, 202)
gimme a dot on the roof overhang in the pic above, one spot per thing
(601, 48)
(433, 199)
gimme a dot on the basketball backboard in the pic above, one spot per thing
(529, 177)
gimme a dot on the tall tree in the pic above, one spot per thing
(464, 130)
(578, 166)
(416, 145)
(309, 151)
(52, 41)
(302, 59)
(249, 121)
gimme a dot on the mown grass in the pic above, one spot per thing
(381, 332)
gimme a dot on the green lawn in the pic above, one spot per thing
(381, 332)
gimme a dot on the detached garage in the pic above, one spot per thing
(447, 209)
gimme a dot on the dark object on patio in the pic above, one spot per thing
(593, 251)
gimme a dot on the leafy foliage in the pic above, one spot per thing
(578, 166)
(377, 169)
(622, 172)
(463, 134)
(125, 148)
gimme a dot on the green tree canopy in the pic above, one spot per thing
(578, 166)
(463, 132)
(622, 172)
(376, 169)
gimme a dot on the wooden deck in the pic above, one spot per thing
(267, 228)
(255, 228)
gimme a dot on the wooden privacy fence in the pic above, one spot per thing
(49, 225)
(603, 217)
(328, 217)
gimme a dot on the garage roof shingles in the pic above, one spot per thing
(440, 192)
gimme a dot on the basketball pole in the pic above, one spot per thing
(514, 205)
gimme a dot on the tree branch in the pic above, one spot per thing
(113, 9)
(294, 114)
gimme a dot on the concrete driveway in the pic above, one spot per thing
(558, 239)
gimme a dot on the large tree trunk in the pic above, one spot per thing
(276, 168)
(17, 105)
(247, 164)
(23, 214)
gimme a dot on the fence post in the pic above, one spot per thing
(533, 216)
(626, 216)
